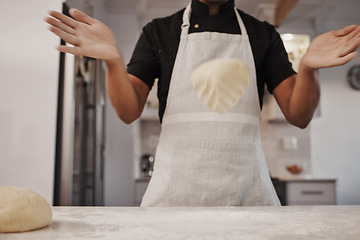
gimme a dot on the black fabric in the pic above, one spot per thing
(155, 52)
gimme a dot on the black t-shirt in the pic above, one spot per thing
(155, 52)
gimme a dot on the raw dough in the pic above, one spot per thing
(22, 210)
(220, 83)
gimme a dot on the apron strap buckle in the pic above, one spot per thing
(185, 25)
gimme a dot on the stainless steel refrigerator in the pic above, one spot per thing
(80, 142)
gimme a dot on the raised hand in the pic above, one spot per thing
(333, 48)
(88, 36)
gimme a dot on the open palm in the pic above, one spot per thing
(333, 48)
(88, 36)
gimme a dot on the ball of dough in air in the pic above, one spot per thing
(22, 210)
(220, 83)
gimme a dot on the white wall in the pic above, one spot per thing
(28, 95)
(336, 134)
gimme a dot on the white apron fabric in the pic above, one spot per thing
(206, 158)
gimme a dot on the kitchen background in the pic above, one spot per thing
(29, 69)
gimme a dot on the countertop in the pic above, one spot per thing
(131, 223)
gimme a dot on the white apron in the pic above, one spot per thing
(206, 158)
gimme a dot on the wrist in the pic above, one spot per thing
(306, 72)
(114, 59)
(305, 66)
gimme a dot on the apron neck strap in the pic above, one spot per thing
(186, 21)
(241, 23)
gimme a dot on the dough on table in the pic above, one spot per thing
(22, 210)
(220, 83)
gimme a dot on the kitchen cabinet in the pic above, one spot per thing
(311, 192)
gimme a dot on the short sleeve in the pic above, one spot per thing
(144, 62)
(277, 64)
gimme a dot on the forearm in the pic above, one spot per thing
(304, 98)
(121, 92)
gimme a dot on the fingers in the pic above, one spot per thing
(64, 19)
(352, 41)
(68, 49)
(60, 25)
(353, 34)
(81, 17)
(346, 59)
(345, 31)
(69, 38)
(63, 26)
